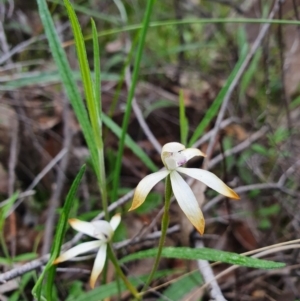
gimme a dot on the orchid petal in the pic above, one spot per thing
(98, 265)
(82, 248)
(209, 179)
(115, 221)
(189, 153)
(98, 229)
(187, 201)
(144, 187)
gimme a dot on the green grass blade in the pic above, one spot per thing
(250, 73)
(182, 287)
(184, 126)
(57, 243)
(67, 78)
(206, 254)
(92, 104)
(108, 290)
(213, 109)
(97, 81)
(135, 74)
(92, 13)
(187, 21)
(136, 149)
(26, 79)
(92, 94)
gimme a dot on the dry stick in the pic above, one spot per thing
(284, 94)
(22, 195)
(13, 154)
(277, 185)
(137, 111)
(215, 290)
(151, 236)
(38, 178)
(238, 148)
(35, 264)
(238, 76)
(208, 275)
(3, 41)
(58, 187)
(22, 46)
(209, 134)
(259, 186)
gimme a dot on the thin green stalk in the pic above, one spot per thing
(93, 96)
(97, 95)
(114, 260)
(164, 228)
(141, 44)
(187, 21)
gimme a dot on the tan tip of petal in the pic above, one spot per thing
(233, 195)
(56, 261)
(138, 200)
(134, 205)
(93, 282)
(200, 225)
(72, 220)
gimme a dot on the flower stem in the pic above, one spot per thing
(164, 228)
(114, 260)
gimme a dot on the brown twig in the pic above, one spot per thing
(209, 277)
(207, 273)
(58, 187)
(284, 94)
(238, 148)
(137, 111)
(38, 178)
(35, 264)
(237, 78)
(13, 154)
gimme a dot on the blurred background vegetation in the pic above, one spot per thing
(192, 48)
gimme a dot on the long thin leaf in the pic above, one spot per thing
(129, 142)
(67, 78)
(206, 254)
(111, 289)
(58, 240)
(92, 95)
(92, 104)
(187, 21)
(183, 121)
(135, 74)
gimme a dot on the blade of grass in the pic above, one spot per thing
(92, 94)
(92, 13)
(57, 243)
(135, 74)
(213, 109)
(206, 254)
(189, 21)
(129, 142)
(67, 78)
(97, 80)
(184, 126)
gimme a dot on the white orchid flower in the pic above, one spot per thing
(174, 155)
(101, 230)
